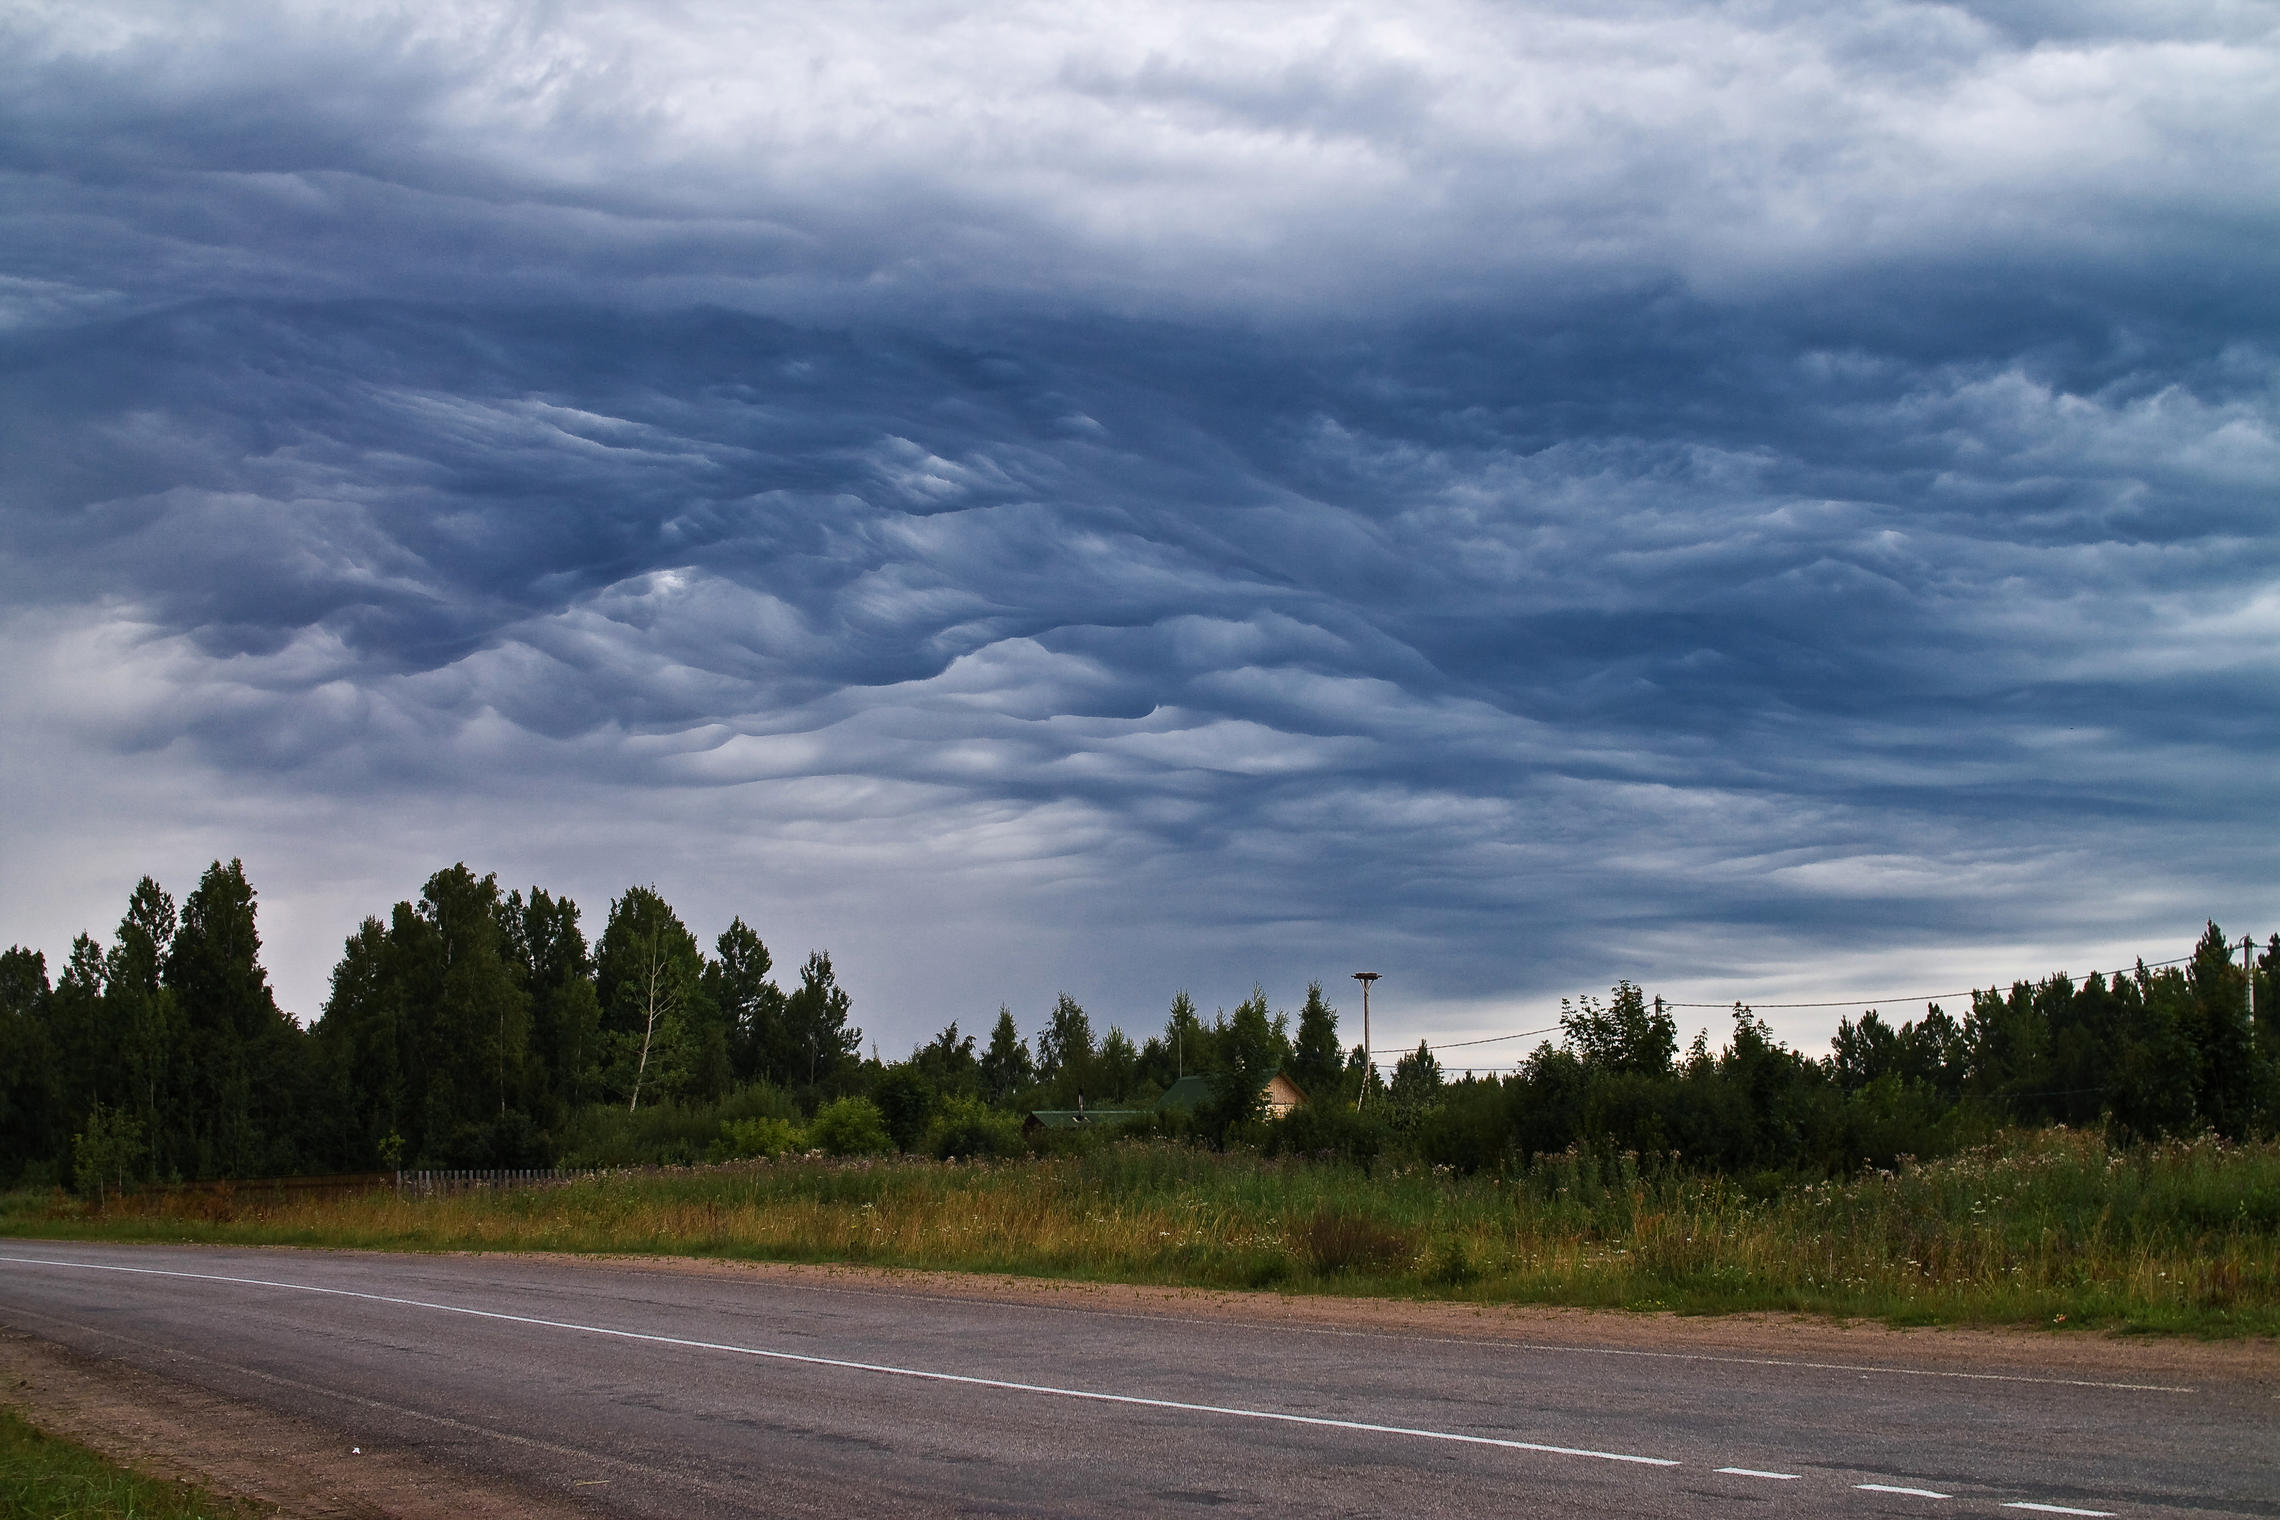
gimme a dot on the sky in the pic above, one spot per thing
(1772, 501)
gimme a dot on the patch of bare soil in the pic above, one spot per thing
(294, 1467)
(2088, 1356)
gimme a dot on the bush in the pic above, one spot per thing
(968, 1127)
(1338, 1241)
(741, 1139)
(850, 1127)
(1468, 1132)
(105, 1151)
(1327, 1132)
(1452, 1265)
(906, 1101)
(663, 1134)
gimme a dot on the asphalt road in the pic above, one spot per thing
(675, 1394)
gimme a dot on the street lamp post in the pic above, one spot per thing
(1369, 1055)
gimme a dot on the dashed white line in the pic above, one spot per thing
(2058, 1509)
(1913, 1493)
(1751, 1472)
(878, 1368)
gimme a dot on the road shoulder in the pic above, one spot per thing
(297, 1467)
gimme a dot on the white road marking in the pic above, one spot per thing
(2058, 1509)
(1887, 1488)
(878, 1368)
(1751, 1472)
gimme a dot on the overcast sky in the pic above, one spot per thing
(1771, 500)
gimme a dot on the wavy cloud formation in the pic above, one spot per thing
(1120, 499)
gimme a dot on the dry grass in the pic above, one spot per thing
(2049, 1227)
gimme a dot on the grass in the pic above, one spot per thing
(45, 1478)
(2049, 1227)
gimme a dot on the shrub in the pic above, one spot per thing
(1452, 1265)
(850, 1127)
(907, 1102)
(663, 1134)
(1326, 1132)
(105, 1151)
(744, 1138)
(968, 1127)
(1338, 1241)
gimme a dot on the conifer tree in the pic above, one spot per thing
(1006, 1067)
(750, 1006)
(241, 1059)
(24, 1062)
(822, 1042)
(1316, 1063)
(142, 1019)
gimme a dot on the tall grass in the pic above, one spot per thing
(2048, 1227)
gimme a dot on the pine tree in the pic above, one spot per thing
(822, 1042)
(1006, 1067)
(25, 1061)
(1188, 1041)
(548, 948)
(367, 1054)
(143, 1016)
(1316, 1063)
(243, 1062)
(750, 1006)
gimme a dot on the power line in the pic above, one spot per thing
(1905, 997)
(1460, 1044)
(1858, 1002)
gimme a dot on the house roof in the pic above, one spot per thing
(1186, 1095)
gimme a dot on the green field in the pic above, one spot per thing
(2049, 1227)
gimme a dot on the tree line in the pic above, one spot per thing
(461, 1030)
(2145, 1053)
(478, 1026)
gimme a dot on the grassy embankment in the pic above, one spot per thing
(2050, 1228)
(46, 1478)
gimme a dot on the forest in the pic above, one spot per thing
(476, 1027)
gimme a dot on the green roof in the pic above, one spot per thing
(1186, 1095)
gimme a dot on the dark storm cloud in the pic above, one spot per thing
(1660, 493)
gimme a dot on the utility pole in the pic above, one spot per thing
(2248, 965)
(1369, 1054)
